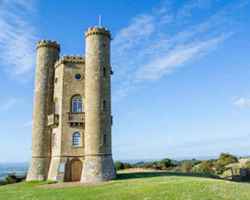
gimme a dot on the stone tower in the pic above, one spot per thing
(47, 55)
(98, 164)
(72, 112)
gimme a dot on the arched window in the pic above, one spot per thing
(76, 104)
(76, 139)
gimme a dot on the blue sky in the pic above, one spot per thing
(181, 87)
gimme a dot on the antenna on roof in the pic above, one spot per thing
(99, 20)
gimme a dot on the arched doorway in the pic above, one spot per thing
(75, 170)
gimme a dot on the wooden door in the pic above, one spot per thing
(76, 170)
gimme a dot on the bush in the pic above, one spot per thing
(166, 163)
(247, 164)
(205, 167)
(224, 160)
(127, 165)
(11, 178)
(158, 165)
(186, 166)
(148, 165)
(119, 165)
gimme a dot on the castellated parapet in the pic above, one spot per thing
(98, 31)
(71, 134)
(70, 59)
(48, 44)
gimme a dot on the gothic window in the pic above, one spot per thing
(76, 139)
(76, 104)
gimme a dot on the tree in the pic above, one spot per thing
(224, 159)
(247, 164)
(119, 165)
(205, 167)
(165, 163)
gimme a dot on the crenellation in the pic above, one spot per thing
(70, 59)
(48, 43)
(98, 30)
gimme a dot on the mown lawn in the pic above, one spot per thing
(134, 186)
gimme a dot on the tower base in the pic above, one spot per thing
(98, 168)
(38, 169)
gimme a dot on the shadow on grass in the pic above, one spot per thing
(133, 175)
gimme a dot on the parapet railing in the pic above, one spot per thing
(78, 117)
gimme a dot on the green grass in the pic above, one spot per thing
(135, 186)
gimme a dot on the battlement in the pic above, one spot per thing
(48, 43)
(98, 30)
(70, 59)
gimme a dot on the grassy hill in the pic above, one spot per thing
(133, 186)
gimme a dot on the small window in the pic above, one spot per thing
(104, 71)
(56, 79)
(76, 139)
(105, 139)
(104, 105)
(76, 104)
(111, 119)
(78, 76)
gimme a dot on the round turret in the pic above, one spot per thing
(47, 55)
(98, 163)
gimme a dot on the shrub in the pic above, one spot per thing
(224, 160)
(127, 165)
(247, 164)
(119, 165)
(11, 178)
(166, 163)
(147, 165)
(186, 166)
(205, 167)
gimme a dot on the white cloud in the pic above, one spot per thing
(162, 65)
(6, 106)
(154, 44)
(140, 27)
(242, 102)
(17, 36)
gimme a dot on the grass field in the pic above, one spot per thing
(134, 186)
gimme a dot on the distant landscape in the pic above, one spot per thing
(10, 168)
(222, 166)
